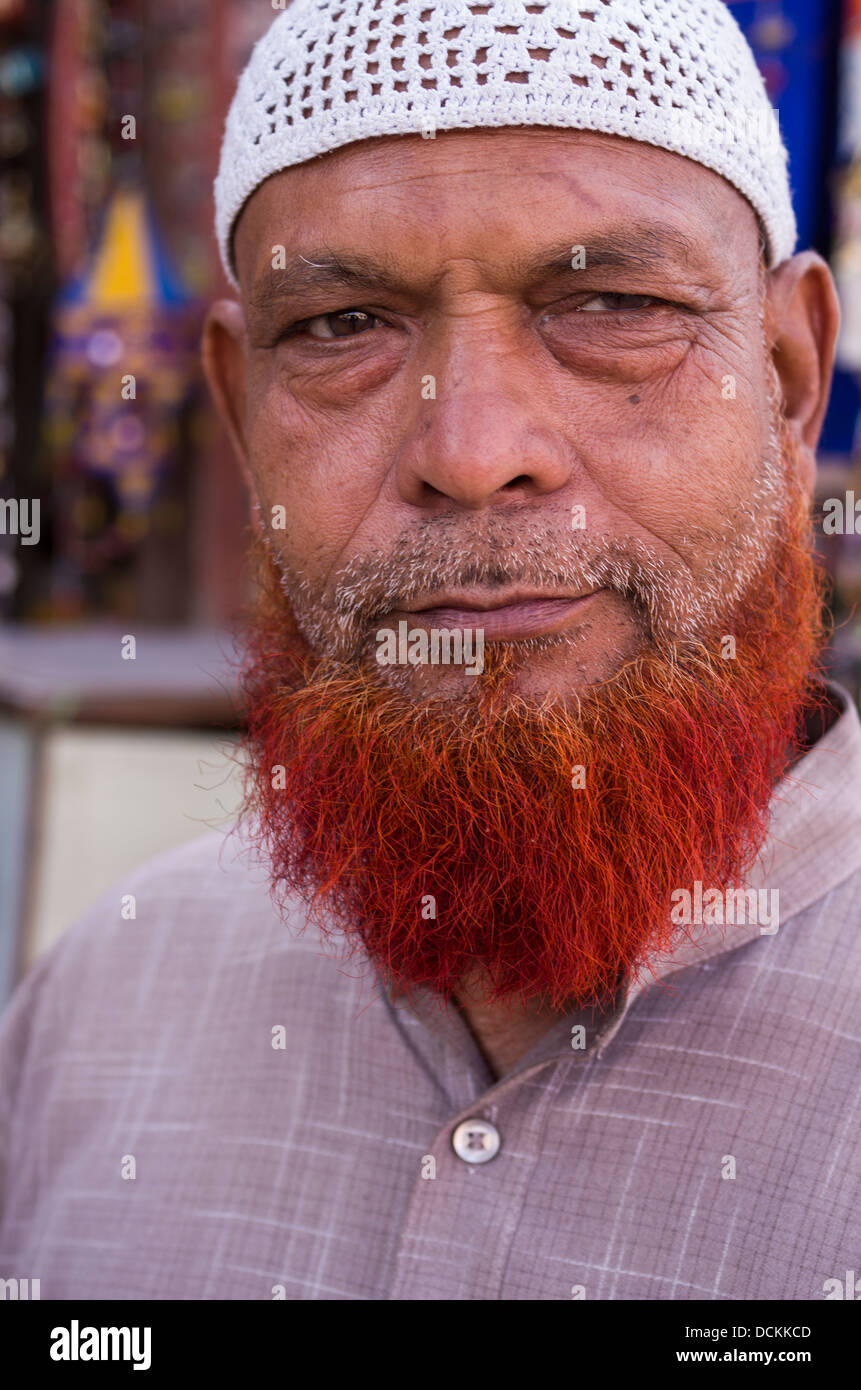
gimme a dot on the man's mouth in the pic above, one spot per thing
(517, 617)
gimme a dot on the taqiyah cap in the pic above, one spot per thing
(677, 74)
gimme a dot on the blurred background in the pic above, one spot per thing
(122, 516)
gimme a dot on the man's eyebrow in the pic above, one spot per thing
(320, 271)
(637, 247)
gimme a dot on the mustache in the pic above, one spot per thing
(671, 600)
(368, 588)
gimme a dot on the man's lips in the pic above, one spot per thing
(517, 618)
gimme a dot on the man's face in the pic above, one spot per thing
(550, 399)
(540, 401)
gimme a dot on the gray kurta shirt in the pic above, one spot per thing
(305, 1172)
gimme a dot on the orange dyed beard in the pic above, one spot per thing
(446, 836)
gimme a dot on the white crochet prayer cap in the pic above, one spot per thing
(673, 73)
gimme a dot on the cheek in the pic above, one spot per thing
(317, 476)
(686, 456)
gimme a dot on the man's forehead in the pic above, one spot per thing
(625, 203)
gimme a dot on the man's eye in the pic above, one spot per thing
(601, 303)
(346, 323)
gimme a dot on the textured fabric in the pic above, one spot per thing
(298, 1171)
(678, 74)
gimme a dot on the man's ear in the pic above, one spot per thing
(225, 362)
(802, 317)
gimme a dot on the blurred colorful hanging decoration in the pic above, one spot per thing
(121, 375)
(846, 257)
(770, 34)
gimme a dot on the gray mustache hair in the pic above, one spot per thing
(370, 587)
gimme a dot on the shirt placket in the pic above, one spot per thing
(472, 1182)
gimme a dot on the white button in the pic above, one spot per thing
(476, 1141)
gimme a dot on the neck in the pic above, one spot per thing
(505, 1031)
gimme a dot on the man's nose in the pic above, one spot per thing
(481, 434)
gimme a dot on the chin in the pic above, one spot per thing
(538, 668)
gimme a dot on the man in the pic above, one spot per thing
(532, 970)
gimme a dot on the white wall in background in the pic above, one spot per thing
(107, 800)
